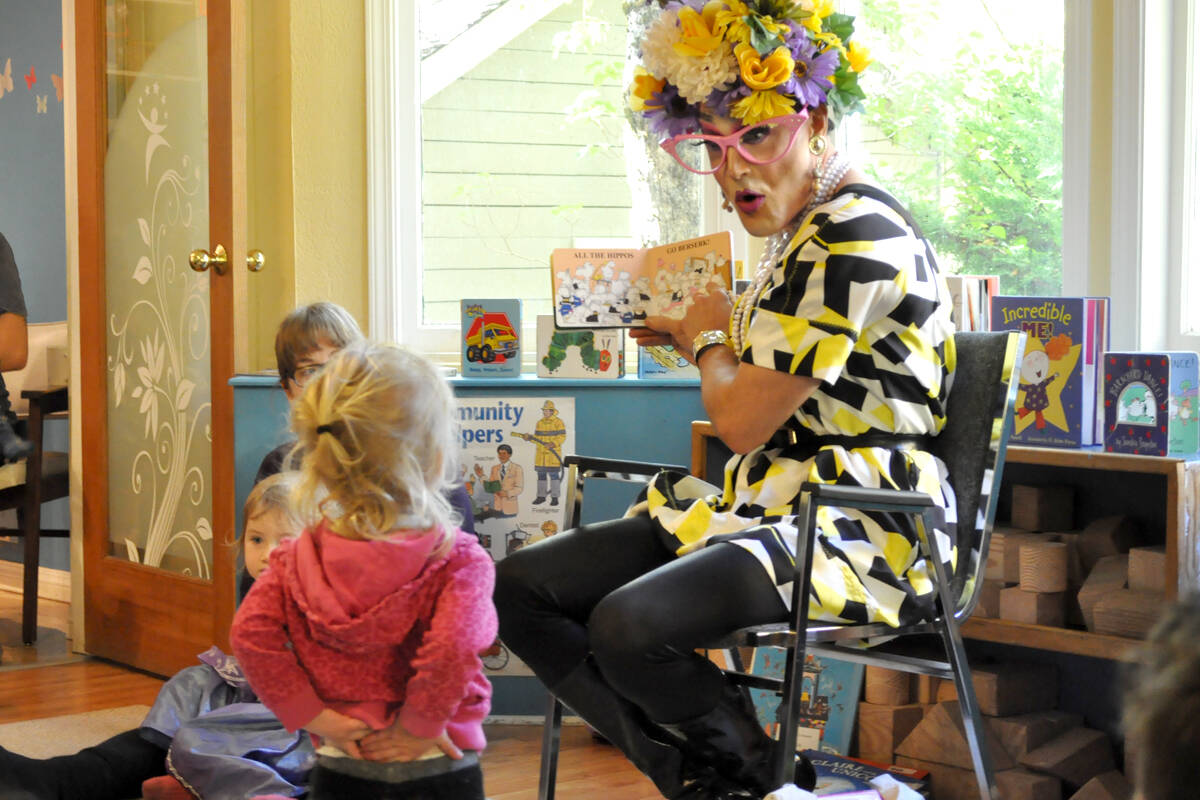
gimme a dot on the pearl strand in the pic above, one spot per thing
(824, 184)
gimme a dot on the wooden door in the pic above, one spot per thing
(161, 151)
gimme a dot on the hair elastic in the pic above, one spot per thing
(324, 429)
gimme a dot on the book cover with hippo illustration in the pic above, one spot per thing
(621, 286)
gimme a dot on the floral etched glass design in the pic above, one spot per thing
(157, 309)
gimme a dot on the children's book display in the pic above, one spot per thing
(829, 699)
(1066, 338)
(620, 287)
(569, 353)
(1150, 403)
(971, 300)
(491, 338)
(661, 362)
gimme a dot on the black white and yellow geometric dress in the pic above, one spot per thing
(855, 302)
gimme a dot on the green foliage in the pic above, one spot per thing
(974, 149)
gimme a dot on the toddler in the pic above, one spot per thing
(372, 621)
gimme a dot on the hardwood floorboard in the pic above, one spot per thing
(36, 683)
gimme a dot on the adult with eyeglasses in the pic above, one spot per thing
(834, 366)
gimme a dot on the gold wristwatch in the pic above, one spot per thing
(707, 339)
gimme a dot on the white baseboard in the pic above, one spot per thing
(53, 584)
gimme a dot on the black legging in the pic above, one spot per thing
(112, 770)
(614, 590)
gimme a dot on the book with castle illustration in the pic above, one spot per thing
(620, 287)
(1066, 337)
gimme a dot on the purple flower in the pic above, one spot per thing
(810, 81)
(669, 114)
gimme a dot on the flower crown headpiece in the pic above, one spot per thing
(748, 60)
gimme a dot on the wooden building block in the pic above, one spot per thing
(1105, 786)
(1148, 568)
(1076, 757)
(1107, 536)
(940, 736)
(955, 783)
(1035, 608)
(881, 728)
(995, 568)
(1043, 566)
(989, 599)
(1012, 554)
(927, 689)
(1108, 575)
(1021, 784)
(1126, 612)
(1075, 571)
(1043, 508)
(1024, 732)
(1015, 687)
(889, 687)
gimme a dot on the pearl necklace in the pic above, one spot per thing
(824, 183)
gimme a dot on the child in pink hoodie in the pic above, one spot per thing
(366, 630)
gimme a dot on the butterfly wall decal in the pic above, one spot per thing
(6, 82)
(58, 86)
(41, 102)
(31, 79)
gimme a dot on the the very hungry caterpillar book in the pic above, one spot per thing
(1061, 372)
(620, 287)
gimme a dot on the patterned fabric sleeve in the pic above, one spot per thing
(834, 284)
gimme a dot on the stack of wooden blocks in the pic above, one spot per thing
(1037, 752)
(1043, 571)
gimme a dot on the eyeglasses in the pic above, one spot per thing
(760, 143)
(305, 374)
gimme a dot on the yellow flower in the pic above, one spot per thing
(643, 89)
(698, 35)
(859, 56)
(762, 105)
(829, 40)
(734, 21)
(764, 73)
(820, 9)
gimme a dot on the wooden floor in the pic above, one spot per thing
(47, 680)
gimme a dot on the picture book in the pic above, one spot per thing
(971, 300)
(829, 699)
(1061, 372)
(621, 287)
(491, 338)
(1150, 403)
(837, 774)
(511, 467)
(565, 353)
(663, 361)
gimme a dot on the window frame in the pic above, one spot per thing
(394, 176)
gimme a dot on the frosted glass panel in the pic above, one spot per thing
(157, 319)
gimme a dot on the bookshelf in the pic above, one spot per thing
(1150, 489)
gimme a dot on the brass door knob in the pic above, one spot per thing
(255, 260)
(201, 260)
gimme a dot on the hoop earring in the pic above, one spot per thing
(816, 145)
(725, 204)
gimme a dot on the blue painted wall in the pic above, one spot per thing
(32, 212)
(32, 205)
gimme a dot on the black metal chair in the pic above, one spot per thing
(972, 445)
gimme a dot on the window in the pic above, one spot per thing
(964, 123)
(522, 145)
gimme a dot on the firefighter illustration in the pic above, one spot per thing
(549, 435)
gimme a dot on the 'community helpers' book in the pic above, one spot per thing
(620, 287)
(1062, 369)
